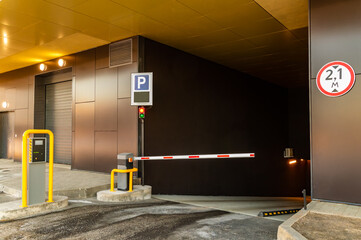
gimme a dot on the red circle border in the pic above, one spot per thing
(348, 88)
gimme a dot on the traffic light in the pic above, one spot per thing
(141, 111)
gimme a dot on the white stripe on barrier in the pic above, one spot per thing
(207, 156)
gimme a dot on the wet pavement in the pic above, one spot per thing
(150, 219)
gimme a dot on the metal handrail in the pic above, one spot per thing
(24, 164)
(122, 171)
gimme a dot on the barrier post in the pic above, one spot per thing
(25, 167)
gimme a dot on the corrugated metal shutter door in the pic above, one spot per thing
(59, 119)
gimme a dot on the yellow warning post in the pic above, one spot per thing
(130, 171)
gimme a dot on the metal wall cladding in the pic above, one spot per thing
(7, 135)
(22, 94)
(336, 136)
(94, 99)
(59, 119)
(127, 127)
(85, 76)
(335, 33)
(336, 129)
(106, 144)
(31, 99)
(124, 73)
(10, 98)
(201, 107)
(102, 57)
(39, 104)
(84, 136)
(106, 99)
(21, 125)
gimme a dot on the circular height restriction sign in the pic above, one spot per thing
(335, 79)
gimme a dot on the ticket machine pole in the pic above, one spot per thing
(25, 164)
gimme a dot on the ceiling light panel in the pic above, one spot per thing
(259, 27)
(292, 14)
(169, 12)
(42, 32)
(104, 10)
(66, 3)
(231, 17)
(15, 19)
(211, 6)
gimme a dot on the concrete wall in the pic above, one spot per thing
(104, 123)
(336, 129)
(201, 107)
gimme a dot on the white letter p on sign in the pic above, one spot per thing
(141, 81)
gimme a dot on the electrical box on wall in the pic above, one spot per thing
(288, 153)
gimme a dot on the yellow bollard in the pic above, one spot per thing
(122, 171)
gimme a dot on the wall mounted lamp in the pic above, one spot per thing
(5, 104)
(42, 67)
(61, 62)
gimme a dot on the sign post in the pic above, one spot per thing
(142, 95)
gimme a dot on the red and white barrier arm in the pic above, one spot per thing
(206, 156)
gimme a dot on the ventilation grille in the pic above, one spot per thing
(120, 53)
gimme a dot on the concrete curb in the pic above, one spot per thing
(139, 193)
(13, 210)
(285, 230)
(71, 193)
(82, 192)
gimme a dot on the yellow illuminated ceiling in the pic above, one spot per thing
(265, 38)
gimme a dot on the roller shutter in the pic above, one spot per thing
(58, 119)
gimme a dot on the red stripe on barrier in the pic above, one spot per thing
(193, 157)
(251, 155)
(222, 156)
(144, 158)
(167, 157)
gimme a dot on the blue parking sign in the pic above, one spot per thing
(141, 89)
(142, 82)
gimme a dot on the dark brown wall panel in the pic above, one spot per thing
(85, 76)
(124, 79)
(335, 33)
(22, 91)
(84, 136)
(201, 107)
(21, 125)
(127, 127)
(10, 98)
(336, 130)
(102, 57)
(106, 99)
(31, 103)
(298, 122)
(336, 138)
(106, 151)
